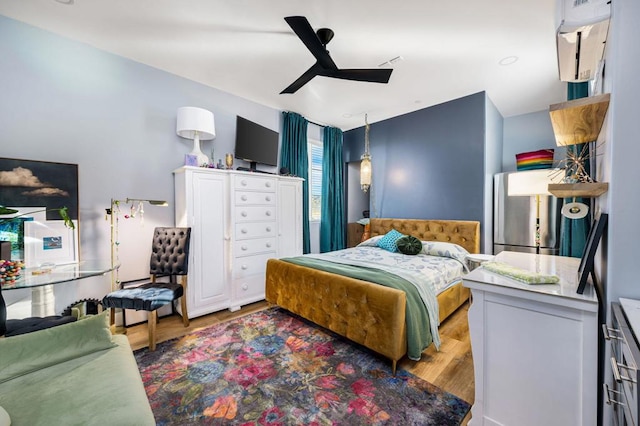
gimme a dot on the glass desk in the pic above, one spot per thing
(34, 277)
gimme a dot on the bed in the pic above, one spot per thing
(365, 312)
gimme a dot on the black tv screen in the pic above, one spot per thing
(255, 143)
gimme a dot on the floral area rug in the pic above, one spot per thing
(273, 368)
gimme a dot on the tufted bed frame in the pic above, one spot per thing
(367, 313)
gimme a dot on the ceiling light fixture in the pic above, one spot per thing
(508, 60)
(365, 164)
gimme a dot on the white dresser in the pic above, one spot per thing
(254, 237)
(239, 220)
(534, 347)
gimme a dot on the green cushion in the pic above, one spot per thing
(409, 245)
(30, 352)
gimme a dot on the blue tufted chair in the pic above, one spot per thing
(169, 257)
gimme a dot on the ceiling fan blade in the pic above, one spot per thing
(372, 75)
(315, 70)
(301, 26)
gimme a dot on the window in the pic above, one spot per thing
(315, 180)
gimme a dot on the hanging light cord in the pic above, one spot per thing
(366, 136)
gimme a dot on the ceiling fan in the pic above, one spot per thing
(317, 42)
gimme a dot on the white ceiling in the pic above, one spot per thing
(450, 49)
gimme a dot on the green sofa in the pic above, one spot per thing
(73, 374)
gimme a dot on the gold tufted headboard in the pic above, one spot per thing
(465, 233)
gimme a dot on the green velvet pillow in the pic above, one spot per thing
(409, 245)
(26, 353)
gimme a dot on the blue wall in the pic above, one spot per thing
(429, 163)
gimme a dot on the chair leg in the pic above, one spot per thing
(185, 315)
(151, 321)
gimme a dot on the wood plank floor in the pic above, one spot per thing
(451, 368)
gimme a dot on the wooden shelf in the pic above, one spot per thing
(580, 120)
(569, 190)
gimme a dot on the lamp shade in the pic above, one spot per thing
(533, 182)
(194, 121)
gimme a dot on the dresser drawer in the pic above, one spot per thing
(251, 247)
(251, 265)
(245, 198)
(625, 356)
(250, 230)
(255, 213)
(249, 288)
(254, 183)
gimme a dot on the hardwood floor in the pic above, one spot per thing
(451, 368)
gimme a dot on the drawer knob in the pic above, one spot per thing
(244, 267)
(267, 184)
(268, 213)
(268, 245)
(268, 198)
(243, 198)
(243, 182)
(243, 214)
(244, 230)
(268, 229)
(244, 248)
(245, 287)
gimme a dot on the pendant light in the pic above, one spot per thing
(365, 164)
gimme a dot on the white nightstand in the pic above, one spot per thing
(534, 346)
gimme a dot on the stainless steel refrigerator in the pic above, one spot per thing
(514, 220)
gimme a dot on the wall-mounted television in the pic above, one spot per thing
(255, 144)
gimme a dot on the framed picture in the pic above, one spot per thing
(49, 243)
(191, 160)
(40, 185)
(36, 191)
(587, 261)
(12, 228)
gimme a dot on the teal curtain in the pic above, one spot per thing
(332, 214)
(574, 232)
(294, 156)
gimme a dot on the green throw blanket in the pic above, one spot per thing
(417, 319)
(522, 275)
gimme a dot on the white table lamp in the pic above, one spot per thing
(534, 183)
(197, 124)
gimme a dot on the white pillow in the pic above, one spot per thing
(371, 242)
(5, 420)
(442, 249)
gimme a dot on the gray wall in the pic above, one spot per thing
(64, 101)
(492, 165)
(619, 162)
(528, 132)
(428, 163)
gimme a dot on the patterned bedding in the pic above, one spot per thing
(429, 273)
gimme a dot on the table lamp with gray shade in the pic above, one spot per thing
(197, 124)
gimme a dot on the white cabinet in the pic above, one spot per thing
(289, 217)
(239, 220)
(200, 195)
(534, 347)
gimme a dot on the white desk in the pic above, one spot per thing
(535, 347)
